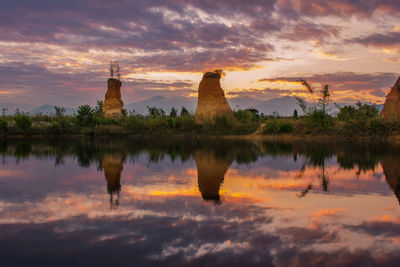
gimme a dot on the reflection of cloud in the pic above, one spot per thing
(374, 228)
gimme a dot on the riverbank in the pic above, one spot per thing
(244, 124)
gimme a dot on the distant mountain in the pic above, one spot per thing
(50, 110)
(243, 102)
(164, 103)
(283, 105)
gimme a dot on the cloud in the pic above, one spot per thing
(374, 228)
(340, 8)
(74, 39)
(33, 82)
(385, 40)
(375, 83)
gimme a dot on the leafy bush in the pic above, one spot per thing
(173, 113)
(173, 122)
(85, 115)
(184, 112)
(363, 112)
(3, 124)
(247, 115)
(100, 120)
(23, 122)
(277, 126)
(318, 119)
(379, 126)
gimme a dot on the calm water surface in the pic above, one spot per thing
(180, 202)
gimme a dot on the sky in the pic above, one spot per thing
(58, 52)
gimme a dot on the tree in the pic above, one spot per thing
(23, 122)
(98, 109)
(323, 100)
(295, 114)
(85, 115)
(184, 112)
(59, 111)
(173, 113)
(112, 70)
(115, 69)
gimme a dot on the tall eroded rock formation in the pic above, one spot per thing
(113, 104)
(211, 172)
(211, 98)
(391, 109)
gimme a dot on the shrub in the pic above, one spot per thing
(379, 126)
(363, 112)
(85, 115)
(173, 113)
(247, 115)
(277, 126)
(188, 123)
(318, 119)
(173, 122)
(184, 112)
(135, 124)
(23, 122)
(3, 124)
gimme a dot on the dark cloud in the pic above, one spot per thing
(341, 8)
(35, 82)
(386, 40)
(374, 228)
(341, 257)
(306, 236)
(310, 31)
(347, 80)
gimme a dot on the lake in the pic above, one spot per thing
(197, 202)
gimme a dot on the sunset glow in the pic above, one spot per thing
(58, 52)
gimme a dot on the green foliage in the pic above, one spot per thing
(295, 115)
(23, 122)
(173, 113)
(155, 112)
(100, 120)
(85, 116)
(362, 112)
(319, 120)
(346, 113)
(184, 112)
(98, 109)
(247, 115)
(276, 126)
(173, 122)
(3, 124)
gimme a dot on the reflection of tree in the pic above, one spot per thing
(391, 169)
(211, 171)
(112, 165)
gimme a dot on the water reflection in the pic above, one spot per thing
(112, 165)
(54, 204)
(210, 173)
(391, 169)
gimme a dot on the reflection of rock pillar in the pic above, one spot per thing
(112, 166)
(391, 169)
(211, 172)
